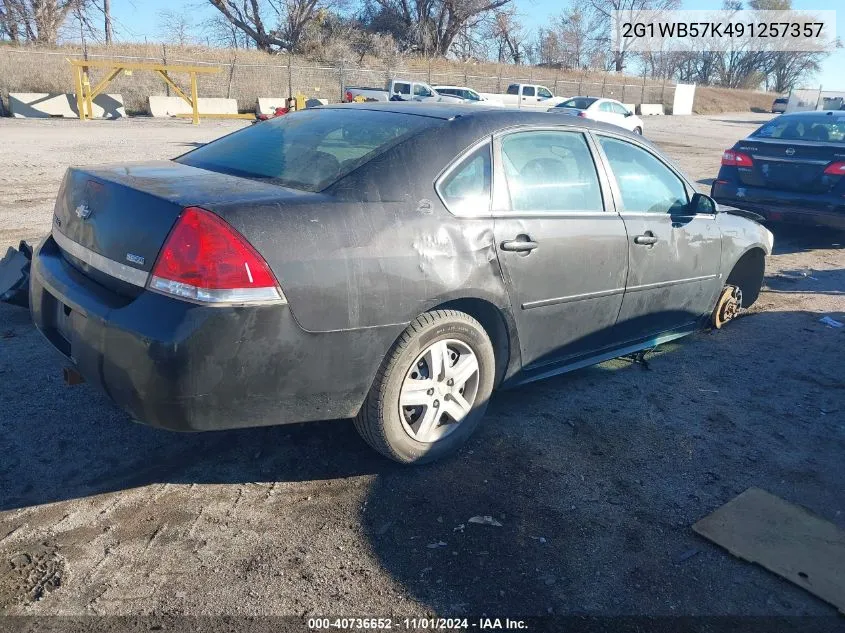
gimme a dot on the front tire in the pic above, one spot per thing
(638, 130)
(431, 390)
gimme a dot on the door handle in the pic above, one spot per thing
(647, 240)
(519, 246)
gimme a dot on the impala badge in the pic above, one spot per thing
(790, 151)
(83, 212)
(135, 259)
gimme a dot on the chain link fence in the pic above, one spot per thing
(241, 78)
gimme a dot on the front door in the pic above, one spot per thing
(673, 254)
(563, 255)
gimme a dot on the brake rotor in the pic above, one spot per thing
(728, 306)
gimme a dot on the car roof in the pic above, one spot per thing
(494, 117)
(804, 113)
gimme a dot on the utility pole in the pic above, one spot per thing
(107, 21)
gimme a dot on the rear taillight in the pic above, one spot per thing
(736, 159)
(206, 260)
(835, 169)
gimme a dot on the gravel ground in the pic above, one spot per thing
(595, 477)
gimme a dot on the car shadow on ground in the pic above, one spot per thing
(575, 496)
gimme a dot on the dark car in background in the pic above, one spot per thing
(792, 169)
(392, 263)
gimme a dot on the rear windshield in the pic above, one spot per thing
(307, 150)
(816, 127)
(781, 101)
(581, 103)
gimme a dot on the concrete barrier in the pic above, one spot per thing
(268, 105)
(42, 105)
(171, 106)
(630, 107)
(651, 109)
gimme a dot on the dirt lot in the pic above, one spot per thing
(596, 477)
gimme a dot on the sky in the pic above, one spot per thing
(137, 20)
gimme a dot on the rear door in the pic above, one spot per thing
(529, 96)
(562, 247)
(673, 255)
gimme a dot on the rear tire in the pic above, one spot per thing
(410, 367)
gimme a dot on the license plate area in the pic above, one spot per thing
(62, 321)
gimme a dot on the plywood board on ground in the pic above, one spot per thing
(785, 539)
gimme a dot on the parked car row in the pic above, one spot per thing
(521, 96)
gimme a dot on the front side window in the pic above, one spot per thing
(307, 150)
(550, 171)
(645, 183)
(528, 91)
(544, 93)
(472, 95)
(618, 108)
(466, 189)
(421, 91)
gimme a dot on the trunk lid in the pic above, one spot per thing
(122, 214)
(790, 165)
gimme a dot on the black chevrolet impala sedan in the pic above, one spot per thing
(390, 263)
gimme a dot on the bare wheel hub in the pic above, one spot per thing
(728, 306)
(439, 390)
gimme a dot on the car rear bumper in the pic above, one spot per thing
(784, 206)
(187, 367)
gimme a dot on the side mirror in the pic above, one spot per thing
(703, 204)
(629, 113)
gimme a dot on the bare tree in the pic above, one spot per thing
(602, 10)
(176, 27)
(36, 21)
(291, 18)
(432, 26)
(510, 37)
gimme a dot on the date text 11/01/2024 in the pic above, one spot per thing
(413, 624)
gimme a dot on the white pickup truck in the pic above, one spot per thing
(526, 96)
(398, 90)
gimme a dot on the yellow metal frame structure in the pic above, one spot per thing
(85, 95)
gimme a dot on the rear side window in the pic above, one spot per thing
(605, 106)
(528, 91)
(307, 150)
(550, 171)
(581, 103)
(466, 189)
(401, 88)
(645, 183)
(822, 127)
